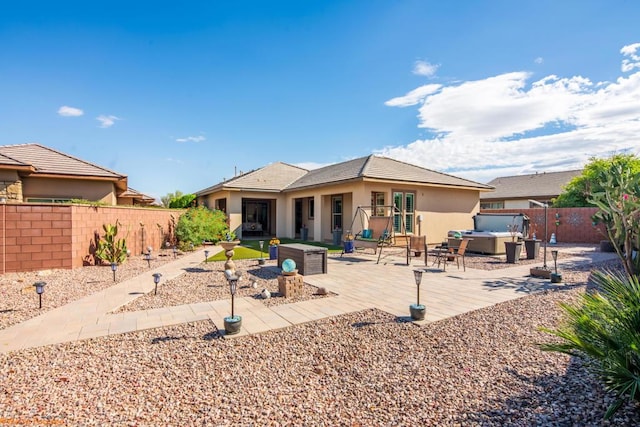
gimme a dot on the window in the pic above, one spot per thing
(336, 212)
(377, 204)
(221, 205)
(49, 200)
(312, 208)
(491, 205)
(405, 202)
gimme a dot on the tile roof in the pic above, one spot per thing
(541, 185)
(51, 162)
(273, 177)
(378, 167)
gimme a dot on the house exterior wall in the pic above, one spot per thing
(101, 191)
(10, 186)
(43, 236)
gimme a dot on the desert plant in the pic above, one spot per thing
(605, 329)
(619, 210)
(201, 224)
(110, 248)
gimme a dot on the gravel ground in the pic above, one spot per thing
(208, 283)
(365, 368)
(19, 301)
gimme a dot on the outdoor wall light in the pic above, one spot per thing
(206, 256)
(156, 280)
(39, 290)
(114, 268)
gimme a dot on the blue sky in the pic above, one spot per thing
(180, 95)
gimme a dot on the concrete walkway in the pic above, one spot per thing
(359, 283)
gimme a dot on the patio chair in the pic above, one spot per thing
(458, 253)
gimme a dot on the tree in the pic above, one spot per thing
(577, 192)
(166, 200)
(185, 201)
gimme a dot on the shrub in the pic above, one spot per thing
(199, 224)
(605, 328)
(110, 248)
(183, 201)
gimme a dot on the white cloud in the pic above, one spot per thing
(539, 60)
(507, 125)
(311, 165)
(631, 51)
(106, 121)
(413, 97)
(199, 138)
(66, 111)
(423, 68)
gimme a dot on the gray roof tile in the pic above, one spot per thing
(540, 185)
(273, 177)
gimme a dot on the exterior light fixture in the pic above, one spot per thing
(417, 310)
(233, 323)
(545, 206)
(114, 268)
(175, 251)
(206, 256)
(147, 256)
(156, 280)
(261, 260)
(39, 290)
(555, 277)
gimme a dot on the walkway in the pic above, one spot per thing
(359, 283)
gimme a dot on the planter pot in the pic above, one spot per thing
(532, 246)
(556, 278)
(606, 246)
(513, 250)
(417, 311)
(273, 252)
(232, 325)
(348, 246)
(260, 261)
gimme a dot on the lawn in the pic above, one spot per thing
(250, 249)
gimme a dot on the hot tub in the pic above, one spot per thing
(484, 242)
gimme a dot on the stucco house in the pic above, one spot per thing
(38, 174)
(514, 192)
(279, 199)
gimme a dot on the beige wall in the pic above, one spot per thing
(102, 191)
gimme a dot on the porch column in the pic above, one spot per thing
(317, 218)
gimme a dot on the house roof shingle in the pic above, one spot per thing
(48, 161)
(273, 177)
(538, 185)
(378, 167)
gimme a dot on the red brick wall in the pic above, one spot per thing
(575, 223)
(36, 237)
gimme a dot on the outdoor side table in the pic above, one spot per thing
(309, 259)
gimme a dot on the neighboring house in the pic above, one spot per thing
(514, 192)
(38, 174)
(279, 199)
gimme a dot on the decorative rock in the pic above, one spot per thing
(321, 291)
(265, 294)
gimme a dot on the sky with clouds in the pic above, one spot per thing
(181, 96)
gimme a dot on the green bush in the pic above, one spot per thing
(605, 328)
(110, 248)
(183, 201)
(199, 224)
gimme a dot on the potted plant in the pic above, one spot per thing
(513, 248)
(417, 310)
(532, 245)
(348, 242)
(273, 248)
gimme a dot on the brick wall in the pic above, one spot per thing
(36, 237)
(575, 223)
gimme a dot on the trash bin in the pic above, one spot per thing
(304, 233)
(337, 237)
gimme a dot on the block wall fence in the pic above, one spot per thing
(38, 237)
(575, 224)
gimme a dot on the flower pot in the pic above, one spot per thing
(417, 311)
(273, 252)
(556, 278)
(513, 251)
(232, 325)
(348, 246)
(532, 246)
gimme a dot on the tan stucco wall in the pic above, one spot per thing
(102, 191)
